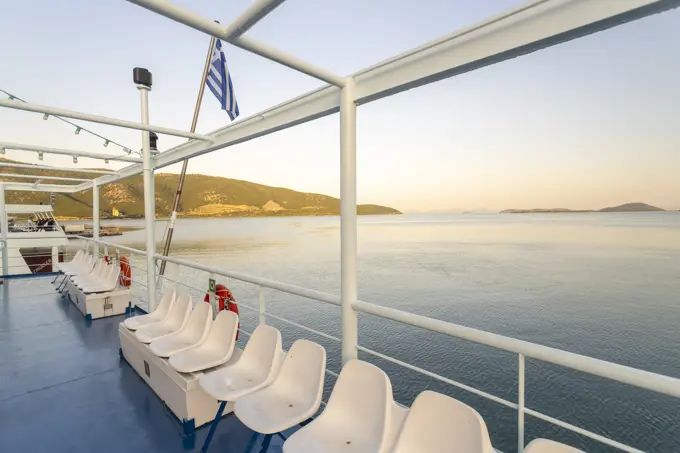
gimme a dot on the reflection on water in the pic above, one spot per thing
(600, 284)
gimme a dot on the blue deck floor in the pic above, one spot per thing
(64, 388)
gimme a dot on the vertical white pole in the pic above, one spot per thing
(348, 220)
(211, 293)
(4, 227)
(55, 259)
(520, 405)
(149, 203)
(95, 218)
(263, 305)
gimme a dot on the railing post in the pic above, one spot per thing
(55, 258)
(348, 220)
(95, 218)
(520, 405)
(4, 226)
(212, 283)
(263, 304)
(149, 200)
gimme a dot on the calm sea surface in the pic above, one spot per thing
(601, 284)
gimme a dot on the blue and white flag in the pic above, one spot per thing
(219, 81)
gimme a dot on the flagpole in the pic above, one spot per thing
(180, 184)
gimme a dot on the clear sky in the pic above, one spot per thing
(587, 124)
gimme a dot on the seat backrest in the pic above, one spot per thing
(302, 373)
(112, 276)
(166, 302)
(362, 397)
(78, 256)
(438, 422)
(179, 314)
(97, 269)
(86, 265)
(262, 352)
(222, 337)
(198, 326)
(549, 446)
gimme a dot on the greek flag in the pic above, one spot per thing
(219, 81)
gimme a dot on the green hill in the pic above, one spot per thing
(203, 196)
(632, 207)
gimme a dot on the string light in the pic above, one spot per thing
(40, 156)
(75, 159)
(78, 129)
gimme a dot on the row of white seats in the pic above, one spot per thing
(272, 394)
(361, 415)
(91, 275)
(189, 338)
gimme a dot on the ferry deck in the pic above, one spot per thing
(64, 386)
(64, 382)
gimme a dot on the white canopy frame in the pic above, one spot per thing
(533, 26)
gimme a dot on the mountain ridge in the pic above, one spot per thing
(203, 196)
(626, 207)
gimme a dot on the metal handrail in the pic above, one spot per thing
(620, 373)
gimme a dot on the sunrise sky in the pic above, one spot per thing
(587, 124)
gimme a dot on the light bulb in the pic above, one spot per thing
(2, 150)
(106, 143)
(106, 161)
(40, 156)
(11, 98)
(45, 116)
(75, 159)
(77, 131)
(127, 150)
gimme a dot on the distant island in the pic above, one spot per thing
(204, 196)
(627, 207)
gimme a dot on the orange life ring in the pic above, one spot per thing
(225, 300)
(125, 278)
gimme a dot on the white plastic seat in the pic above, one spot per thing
(82, 268)
(293, 397)
(255, 369)
(106, 282)
(216, 350)
(77, 259)
(439, 423)
(356, 419)
(194, 333)
(176, 319)
(161, 312)
(549, 446)
(95, 276)
(92, 275)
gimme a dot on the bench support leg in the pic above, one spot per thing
(213, 427)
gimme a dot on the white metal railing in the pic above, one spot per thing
(638, 378)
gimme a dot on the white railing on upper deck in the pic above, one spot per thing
(620, 373)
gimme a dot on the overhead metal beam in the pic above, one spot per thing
(212, 28)
(46, 167)
(522, 30)
(99, 119)
(31, 187)
(255, 13)
(531, 27)
(68, 152)
(41, 177)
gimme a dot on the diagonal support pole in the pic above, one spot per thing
(213, 426)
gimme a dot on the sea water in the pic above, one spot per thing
(604, 285)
